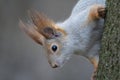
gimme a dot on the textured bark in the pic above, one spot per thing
(109, 65)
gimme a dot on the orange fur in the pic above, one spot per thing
(94, 12)
(29, 29)
(95, 63)
(41, 22)
(61, 30)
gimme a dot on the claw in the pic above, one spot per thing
(94, 76)
(101, 12)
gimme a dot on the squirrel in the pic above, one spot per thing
(79, 34)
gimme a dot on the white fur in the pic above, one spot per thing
(83, 4)
(83, 38)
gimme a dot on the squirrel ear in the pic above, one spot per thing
(34, 34)
(50, 32)
(44, 26)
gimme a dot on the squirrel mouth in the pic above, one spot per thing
(55, 66)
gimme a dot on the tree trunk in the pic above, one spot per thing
(109, 65)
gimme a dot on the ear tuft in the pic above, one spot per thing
(44, 25)
(30, 30)
(40, 20)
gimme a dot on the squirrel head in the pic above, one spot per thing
(49, 35)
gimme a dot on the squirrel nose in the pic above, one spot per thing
(54, 66)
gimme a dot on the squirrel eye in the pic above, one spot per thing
(54, 48)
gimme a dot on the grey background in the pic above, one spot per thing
(20, 57)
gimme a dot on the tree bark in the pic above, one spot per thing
(109, 65)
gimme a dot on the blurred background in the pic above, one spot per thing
(23, 59)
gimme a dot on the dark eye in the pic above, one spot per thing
(54, 48)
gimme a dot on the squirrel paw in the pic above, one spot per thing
(94, 76)
(97, 11)
(101, 12)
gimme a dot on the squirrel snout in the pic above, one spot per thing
(54, 66)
